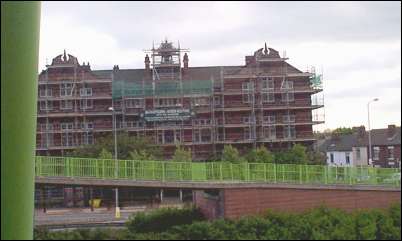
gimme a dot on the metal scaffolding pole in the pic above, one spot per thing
(20, 24)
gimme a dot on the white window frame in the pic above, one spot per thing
(376, 153)
(266, 97)
(287, 85)
(286, 97)
(391, 157)
(86, 92)
(86, 104)
(269, 119)
(66, 89)
(63, 105)
(287, 132)
(45, 92)
(67, 125)
(289, 118)
(347, 156)
(44, 107)
(245, 99)
(268, 84)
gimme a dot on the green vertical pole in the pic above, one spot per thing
(300, 174)
(220, 171)
(20, 23)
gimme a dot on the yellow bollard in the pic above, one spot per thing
(117, 214)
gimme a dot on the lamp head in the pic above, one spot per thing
(111, 108)
(376, 99)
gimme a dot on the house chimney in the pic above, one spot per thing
(147, 62)
(391, 131)
(361, 131)
(185, 61)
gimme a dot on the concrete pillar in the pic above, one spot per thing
(20, 23)
(181, 195)
(161, 195)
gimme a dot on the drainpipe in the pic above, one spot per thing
(20, 24)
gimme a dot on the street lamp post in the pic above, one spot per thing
(116, 172)
(369, 130)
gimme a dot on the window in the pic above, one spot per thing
(87, 138)
(376, 154)
(217, 100)
(390, 153)
(246, 98)
(196, 136)
(87, 125)
(287, 85)
(67, 125)
(288, 97)
(289, 132)
(66, 89)
(270, 119)
(67, 139)
(347, 157)
(86, 104)
(168, 102)
(270, 132)
(200, 101)
(46, 105)
(246, 119)
(358, 154)
(331, 156)
(205, 135)
(86, 92)
(66, 104)
(247, 86)
(134, 103)
(268, 97)
(44, 127)
(46, 92)
(247, 133)
(289, 118)
(268, 84)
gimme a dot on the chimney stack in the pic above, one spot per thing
(185, 61)
(391, 131)
(147, 62)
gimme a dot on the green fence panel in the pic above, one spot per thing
(214, 171)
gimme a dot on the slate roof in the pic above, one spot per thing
(379, 137)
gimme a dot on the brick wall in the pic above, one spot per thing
(239, 202)
(234, 203)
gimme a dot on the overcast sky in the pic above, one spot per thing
(357, 45)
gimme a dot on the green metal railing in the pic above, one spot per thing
(214, 172)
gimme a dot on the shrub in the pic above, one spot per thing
(162, 219)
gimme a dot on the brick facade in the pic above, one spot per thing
(242, 202)
(234, 110)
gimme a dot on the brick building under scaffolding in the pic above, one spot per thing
(266, 102)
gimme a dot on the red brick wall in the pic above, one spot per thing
(240, 202)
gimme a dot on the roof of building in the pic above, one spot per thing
(340, 143)
(379, 137)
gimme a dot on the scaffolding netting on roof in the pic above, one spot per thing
(121, 88)
(316, 81)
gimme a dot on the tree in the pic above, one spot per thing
(316, 158)
(343, 131)
(141, 155)
(260, 155)
(231, 155)
(182, 155)
(296, 155)
(105, 154)
(125, 145)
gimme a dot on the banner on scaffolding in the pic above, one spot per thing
(167, 115)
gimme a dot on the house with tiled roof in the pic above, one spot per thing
(353, 149)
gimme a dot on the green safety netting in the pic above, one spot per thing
(316, 80)
(123, 88)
